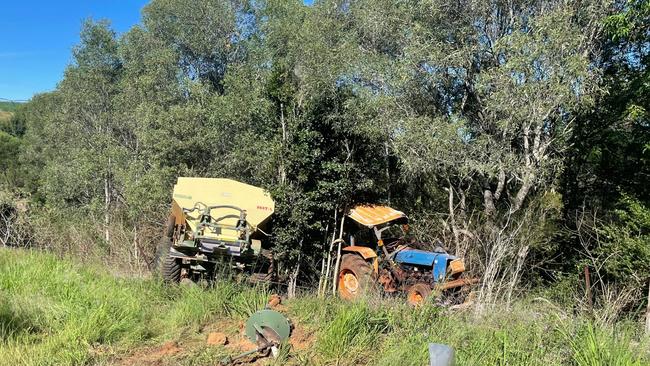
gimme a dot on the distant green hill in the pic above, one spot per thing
(8, 106)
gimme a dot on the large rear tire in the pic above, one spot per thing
(355, 277)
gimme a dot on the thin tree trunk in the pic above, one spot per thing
(647, 313)
(529, 180)
(293, 278)
(282, 168)
(329, 256)
(488, 203)
(388, 182)
(322, 276)
(516, 274)
(338, 255)
(452, 218)
(136, 251)
(322, 262)
(107, 204)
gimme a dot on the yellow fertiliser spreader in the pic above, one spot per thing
(215, 220)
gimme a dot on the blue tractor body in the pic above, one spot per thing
(438, 262)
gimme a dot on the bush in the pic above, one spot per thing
(625, 243)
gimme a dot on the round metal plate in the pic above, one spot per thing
(267, 319)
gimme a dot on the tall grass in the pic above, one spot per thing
(595, 346)
(54, 312)
(352, 333)
(58, 312)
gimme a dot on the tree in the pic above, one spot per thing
(504, 82)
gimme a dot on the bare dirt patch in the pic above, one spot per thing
(223, 332)
(153, 356)
(216, 339)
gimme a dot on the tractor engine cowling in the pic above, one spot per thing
(438, 262)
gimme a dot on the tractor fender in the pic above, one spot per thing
(365, 252)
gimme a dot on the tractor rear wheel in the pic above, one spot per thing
(417, 294)
(355, 277)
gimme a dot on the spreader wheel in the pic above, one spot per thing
(417, 294)
(165, 266)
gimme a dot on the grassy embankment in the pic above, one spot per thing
(58, 312)
(7, 109)
(8, 106)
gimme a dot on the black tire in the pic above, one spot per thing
(355, 277)
(417, 294)
(165, 266)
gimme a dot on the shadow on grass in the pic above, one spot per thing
(14, 323)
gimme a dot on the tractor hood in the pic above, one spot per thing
(425, 258)
(373, 215)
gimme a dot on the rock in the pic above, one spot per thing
(217, 339)
(275, 300)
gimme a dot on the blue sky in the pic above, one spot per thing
(37, 37)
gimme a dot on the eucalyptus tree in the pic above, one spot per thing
(82, 128)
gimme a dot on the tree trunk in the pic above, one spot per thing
(136, 250)
(293, 277)
(107, 204)
(452, 218)
(488, 203)
(282, 169)
(338, 256)
(529, 180)
(647, 313)
(329, 256)
(516, 272)
(387, 161)
(322, 263)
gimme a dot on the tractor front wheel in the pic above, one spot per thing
(355, 277)
(417, 294)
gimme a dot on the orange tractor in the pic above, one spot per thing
(378, 253)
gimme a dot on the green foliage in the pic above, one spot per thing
(624, 243)
(608, 163)
(9, 148)
(630, 23)
(488, 126)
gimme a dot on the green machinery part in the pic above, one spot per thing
(264, 320)
(267, 329)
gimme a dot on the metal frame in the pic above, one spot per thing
(207, 221)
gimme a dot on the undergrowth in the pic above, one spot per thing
(58, 312)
